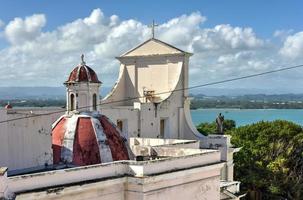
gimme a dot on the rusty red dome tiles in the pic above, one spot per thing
(85, 139)
(83, 73)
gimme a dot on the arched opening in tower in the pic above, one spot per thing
(94, 102)
(72, 102)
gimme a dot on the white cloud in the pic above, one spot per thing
(19, 30)
(225, 37)
(240, 56)
(95, 17)
(181, 30)
(121, 38)
(37, 57)
(293, 46)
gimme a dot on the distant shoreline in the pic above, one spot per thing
(246, 109)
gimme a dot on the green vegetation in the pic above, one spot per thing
(270, 163)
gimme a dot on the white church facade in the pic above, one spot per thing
(150, 107)
(157, 73)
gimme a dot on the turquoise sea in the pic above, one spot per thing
(248, 116)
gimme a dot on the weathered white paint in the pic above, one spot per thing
(223, 144)
(26, 143)
(105, 152)
(196, 184)
(177, 143)
(68, 141)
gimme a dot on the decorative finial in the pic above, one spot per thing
(152, 26)
(82, 60)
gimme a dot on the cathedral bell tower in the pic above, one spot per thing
(82, 89)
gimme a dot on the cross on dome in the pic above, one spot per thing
(152, 26)
(82, 60)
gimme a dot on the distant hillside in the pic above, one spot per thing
(253, 101)
(7, 93)
(242, 91)
(31, 92)
(253, 97)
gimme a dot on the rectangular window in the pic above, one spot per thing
(162, 128)
(120, 125)
(123, 127)
(94, 102)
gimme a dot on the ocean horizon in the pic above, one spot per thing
(247, 116)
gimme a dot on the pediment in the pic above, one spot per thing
(152, 47)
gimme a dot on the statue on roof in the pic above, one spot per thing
(219, 122)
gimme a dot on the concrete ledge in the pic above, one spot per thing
(114, 169)
(194, 144)
(3, 170)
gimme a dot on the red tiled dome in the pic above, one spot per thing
(83, 73)
(86, 139)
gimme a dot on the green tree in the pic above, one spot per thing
(270, 163)
(211, 128)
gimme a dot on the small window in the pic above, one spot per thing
(162, 128)
(72, 102)
(120, 125)
(94, 102)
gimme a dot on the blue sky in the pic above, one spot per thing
(228, 38)
(263, 16)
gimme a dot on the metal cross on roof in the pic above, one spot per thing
(82, 60)
(152, 26)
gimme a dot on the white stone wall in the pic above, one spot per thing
(128, 115)
(26, 143)
(161, 73)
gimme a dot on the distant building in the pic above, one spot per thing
(88, 156)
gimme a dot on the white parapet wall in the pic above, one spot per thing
(177, 143)
(223, 144)
(192, 165)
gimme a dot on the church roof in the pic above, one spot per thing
(83, 73)
(153, 47)
(86, 139)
